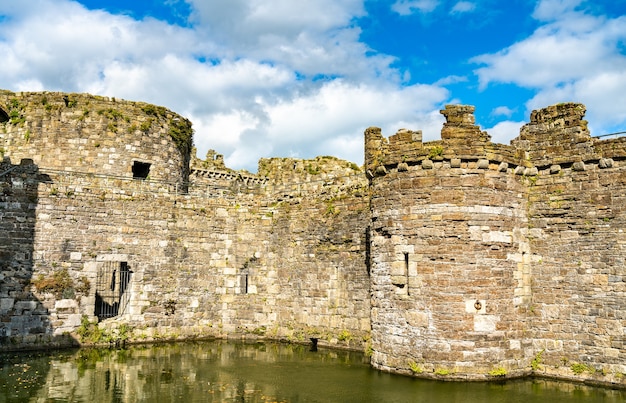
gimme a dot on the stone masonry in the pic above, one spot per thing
(452, 259)
(490, 259)
(211, 253)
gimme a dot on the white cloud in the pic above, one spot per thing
(451, 80)
(603, 94)
(505, 131)
(265, 78)
(331, 121)
(237, 73)
(557, 53)
(502, 111)
(313, 37)
(575, 56)
(67, 47)
(547, 10)
(463, 7)
(408, 7)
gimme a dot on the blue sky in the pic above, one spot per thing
(284, 78)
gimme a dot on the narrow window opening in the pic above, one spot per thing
(141, 170)
(244, 276)
(4, 117)
(243, 281)
(406, 271)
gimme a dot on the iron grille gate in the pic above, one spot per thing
(111, 284)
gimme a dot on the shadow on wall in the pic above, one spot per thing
(24, 320)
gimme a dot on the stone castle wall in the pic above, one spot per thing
(492, 259)
(454, 259)
(221, 254)
(576, 220)
(304, 273)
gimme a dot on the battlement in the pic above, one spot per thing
(556, 136)
(460, 125)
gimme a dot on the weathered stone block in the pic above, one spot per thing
(485, 323)
(482, 164)
(21, 306)
(6, 304)
(532, 171)
(605, 163)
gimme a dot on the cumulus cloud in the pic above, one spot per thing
(604, 95)
(504, 132)
(557, 53)
(281, 78)
(573, 56)
(66, 46)
(332, 119)
(257, 78)
(408, 7)
(312, 37)
(502, 111)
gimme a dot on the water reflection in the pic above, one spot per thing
(236, 372)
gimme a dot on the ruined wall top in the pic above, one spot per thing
(557, 134)
(95, 134)
(460, 139)
(293, 170)
(324, 175)
(212, 161)
(460, 124)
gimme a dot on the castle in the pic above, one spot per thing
(452, 259)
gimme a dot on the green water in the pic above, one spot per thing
(235, 372)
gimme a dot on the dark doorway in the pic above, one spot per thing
(111, 285)
(4, 117)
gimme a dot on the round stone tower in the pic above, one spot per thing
(449, 275)
(96, 135)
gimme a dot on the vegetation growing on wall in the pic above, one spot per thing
(182, 134)
(16, 112)
(180, 129)
(61, 284)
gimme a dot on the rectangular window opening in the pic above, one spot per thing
(141, 170)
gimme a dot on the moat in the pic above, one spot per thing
(220, 371)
